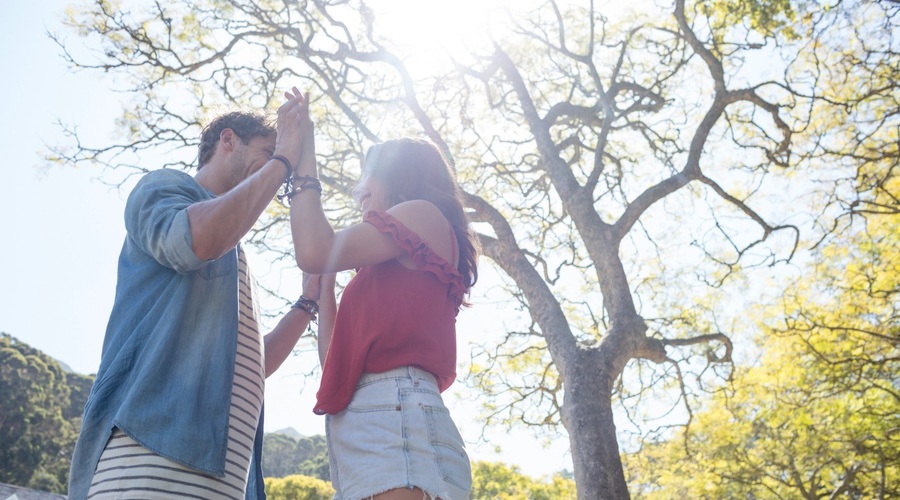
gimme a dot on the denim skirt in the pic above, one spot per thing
(397, 433)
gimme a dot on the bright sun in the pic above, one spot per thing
(433, 29)
(445, 26)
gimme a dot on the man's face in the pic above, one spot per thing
(248, 158)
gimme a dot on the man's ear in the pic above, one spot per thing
(228, 139)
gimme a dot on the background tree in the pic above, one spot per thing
(816, 415)
(490, 481)
(819, 416)
(620, 167)
(285, 456)
(498, 481)
(40, 414)
(298, 487)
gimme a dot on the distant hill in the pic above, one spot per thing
(290, 432)
(66, 368)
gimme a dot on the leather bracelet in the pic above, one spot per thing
(286, 162)
(307, 182)
(310, 306)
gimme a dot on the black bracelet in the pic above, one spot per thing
(287, 165)
(306, 183)
(310, 306)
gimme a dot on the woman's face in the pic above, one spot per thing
(371, 194)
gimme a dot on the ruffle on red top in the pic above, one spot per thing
(421, 253)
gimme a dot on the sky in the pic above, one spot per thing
(62, 230)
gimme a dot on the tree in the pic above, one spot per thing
(298, 487)
(278, 455)
(818, 416)
(38, 425)
(583, 139)
(284, 456)
(497, 481)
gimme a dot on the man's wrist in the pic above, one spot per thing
(288, 166)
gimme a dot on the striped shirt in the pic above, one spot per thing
(127, 470)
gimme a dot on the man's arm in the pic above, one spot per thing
(217, 225)
(156, 218)
(280, 342)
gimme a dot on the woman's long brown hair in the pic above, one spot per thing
(415, 169)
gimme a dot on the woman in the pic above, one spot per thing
(390, 349)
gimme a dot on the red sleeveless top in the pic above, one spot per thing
(392, 316)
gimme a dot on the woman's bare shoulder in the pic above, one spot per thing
(426, 220)
(416, 210)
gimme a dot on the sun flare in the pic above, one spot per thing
(428, 31)
(439, 26)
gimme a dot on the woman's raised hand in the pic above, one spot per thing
(306, 163)
(290, 127)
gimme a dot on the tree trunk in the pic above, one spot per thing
(588, 418)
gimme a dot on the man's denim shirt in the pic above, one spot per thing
(167, 366)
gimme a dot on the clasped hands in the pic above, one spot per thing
(296, 134)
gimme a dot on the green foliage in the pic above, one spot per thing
(818, 415)
(45, 481)
(298, 487)
(766, 17)
(285, 456)
(40, 414)
(498, 481)
(79, 390)
(490, 481)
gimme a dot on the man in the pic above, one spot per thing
(176, 408)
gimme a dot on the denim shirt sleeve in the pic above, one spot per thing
(157, 221)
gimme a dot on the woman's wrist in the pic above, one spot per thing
(306, 172)
(309, 306)
(303, 183)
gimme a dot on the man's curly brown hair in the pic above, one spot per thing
(245, 125)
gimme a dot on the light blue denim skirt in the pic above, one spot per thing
(397, 433)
